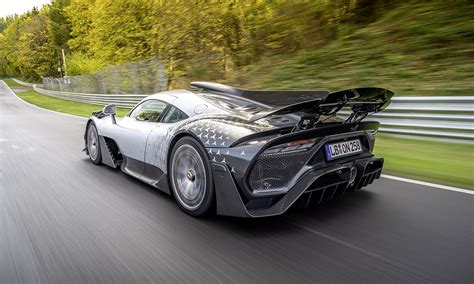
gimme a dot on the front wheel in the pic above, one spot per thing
(93, 145)
(190, 177)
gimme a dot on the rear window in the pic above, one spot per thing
(174, 115)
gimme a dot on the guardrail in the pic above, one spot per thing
(122, 100)
(449, 117)
(30, 85)
(445, 117)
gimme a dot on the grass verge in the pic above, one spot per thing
(13, 84)
(69, 107)
(448, 163)
(56, 104)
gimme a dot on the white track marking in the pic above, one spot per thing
(429, 184)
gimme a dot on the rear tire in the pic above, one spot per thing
(190, 177)
(93, 145)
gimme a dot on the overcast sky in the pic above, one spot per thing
(8, 7)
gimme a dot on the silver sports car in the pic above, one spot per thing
(244, 153)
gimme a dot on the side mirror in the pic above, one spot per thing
(110, 110)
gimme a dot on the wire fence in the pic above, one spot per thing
(140, 77)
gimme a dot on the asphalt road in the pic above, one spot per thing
(63, 219)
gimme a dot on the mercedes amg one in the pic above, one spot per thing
(244, 153)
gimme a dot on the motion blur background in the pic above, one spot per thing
(415, 48)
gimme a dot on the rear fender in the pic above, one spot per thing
(221, 132)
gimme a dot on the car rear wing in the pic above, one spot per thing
(362, 102)
(272, 99)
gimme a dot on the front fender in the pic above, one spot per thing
(99, 122)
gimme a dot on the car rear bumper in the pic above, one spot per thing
(315, 186)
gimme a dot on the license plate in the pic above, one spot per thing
(342, 149)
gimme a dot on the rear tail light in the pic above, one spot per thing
(291, 147)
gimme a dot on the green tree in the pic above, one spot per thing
(27, 50)
(59, 25)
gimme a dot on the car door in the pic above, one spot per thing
(133, 131)
(158, 142)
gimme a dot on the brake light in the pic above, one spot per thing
(291, 147)
(299, 142)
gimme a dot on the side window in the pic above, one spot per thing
(174, 115)
(148, 111)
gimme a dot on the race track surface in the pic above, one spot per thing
(63, 219)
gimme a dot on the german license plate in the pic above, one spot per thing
(342, 149)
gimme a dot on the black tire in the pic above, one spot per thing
(93, 145)
(190, 177)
